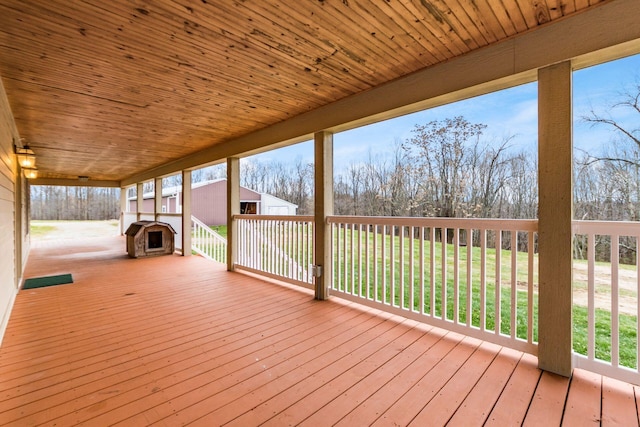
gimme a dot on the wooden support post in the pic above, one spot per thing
(186, 213)
(233, 208)
(19, 231)
(123, 208)
(555, 212)
(157, 205)
(323, 152)
(139, 199)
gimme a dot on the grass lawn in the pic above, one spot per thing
(349, 277)
(627, 336)
(38, 230)
(220, 229)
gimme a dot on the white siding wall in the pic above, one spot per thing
(7, 248)
(9, 274)
(26, 238)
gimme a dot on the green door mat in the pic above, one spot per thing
(41, 282)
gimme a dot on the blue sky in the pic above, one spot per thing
(511, 112)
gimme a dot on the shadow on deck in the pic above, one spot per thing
(176, 340)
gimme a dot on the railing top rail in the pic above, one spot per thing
(622, 228)
(462, 223)
(167, 214)
(208, 230)
(197, 221)
(295, 218)
(626, 228)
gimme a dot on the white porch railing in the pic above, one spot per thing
(481, 281)
(605, 298)
(400, 265)
(206, 242)
(278, 246)
(175, 220)
(128, 219)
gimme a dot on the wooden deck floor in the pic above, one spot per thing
(174, 341)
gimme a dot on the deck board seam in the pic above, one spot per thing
(493, 407)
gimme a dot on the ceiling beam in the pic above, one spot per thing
(74, 182)
(600, 34)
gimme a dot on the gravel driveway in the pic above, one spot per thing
(74, 229)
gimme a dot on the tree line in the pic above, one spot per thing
(49, 202)
(446, 169)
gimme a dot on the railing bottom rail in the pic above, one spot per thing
(274, 276)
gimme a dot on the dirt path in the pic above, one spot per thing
(627, 283)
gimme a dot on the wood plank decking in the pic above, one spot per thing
(178, 340)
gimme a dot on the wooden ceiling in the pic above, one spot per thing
(109, 89)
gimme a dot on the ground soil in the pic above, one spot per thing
(627, 283)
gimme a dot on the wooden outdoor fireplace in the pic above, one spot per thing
(150, 238)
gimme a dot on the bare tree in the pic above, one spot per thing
(628, 103)
(301, 187)
(355, 174)
(618, 159)
(439, 150)
(489, 175)
(253, 175)
(521, 187)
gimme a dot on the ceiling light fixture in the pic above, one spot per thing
(30, 173)
(26, 157)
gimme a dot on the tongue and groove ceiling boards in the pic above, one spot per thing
(110, 89)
